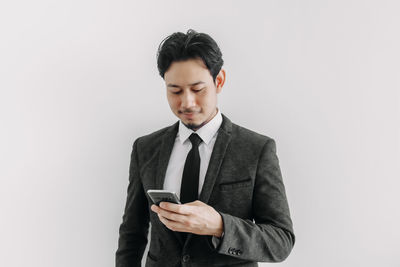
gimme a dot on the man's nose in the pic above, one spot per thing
(188, 100)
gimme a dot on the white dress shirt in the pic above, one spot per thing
(208, 133)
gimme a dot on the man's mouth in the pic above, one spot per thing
(188, 114)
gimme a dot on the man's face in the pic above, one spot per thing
(191, 92)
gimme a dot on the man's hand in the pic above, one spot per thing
(194, 217)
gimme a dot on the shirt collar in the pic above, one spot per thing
(206, 132)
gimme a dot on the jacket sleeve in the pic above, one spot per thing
(269, 237)
(135, 221)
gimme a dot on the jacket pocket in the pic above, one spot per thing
(151, 257)
(235, 184)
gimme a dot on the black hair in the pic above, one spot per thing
(180, 46)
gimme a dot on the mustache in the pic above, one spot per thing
(188, 110)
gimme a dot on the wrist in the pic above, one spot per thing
(218, 234)
(220, 227)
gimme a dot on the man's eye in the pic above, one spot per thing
(198, 90)
(176, 93)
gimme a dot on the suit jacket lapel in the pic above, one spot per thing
(165, 152)
(220, 146)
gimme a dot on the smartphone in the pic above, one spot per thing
(158, 196)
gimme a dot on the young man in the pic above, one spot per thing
(234, 210)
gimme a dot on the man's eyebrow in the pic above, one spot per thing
(192, 84)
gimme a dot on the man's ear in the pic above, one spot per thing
(220, 80)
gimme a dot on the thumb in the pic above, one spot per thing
(195, 203)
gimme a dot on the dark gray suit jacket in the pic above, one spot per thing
(243, 183)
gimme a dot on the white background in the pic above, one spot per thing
(79, 84)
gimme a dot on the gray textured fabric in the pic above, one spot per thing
(243, 183)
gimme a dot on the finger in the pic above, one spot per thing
(154, 208)
(176, 208)
(163, 220)
(174, 226)
(196, 203)
(172, 216)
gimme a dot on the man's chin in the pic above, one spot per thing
(191, 125)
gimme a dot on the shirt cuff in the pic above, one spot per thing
(216, 240)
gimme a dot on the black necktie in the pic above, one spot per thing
(190, 177)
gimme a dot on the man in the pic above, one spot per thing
(234, 210)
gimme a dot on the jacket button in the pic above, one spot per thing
(186, 258)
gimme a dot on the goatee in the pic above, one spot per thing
(193, 126)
